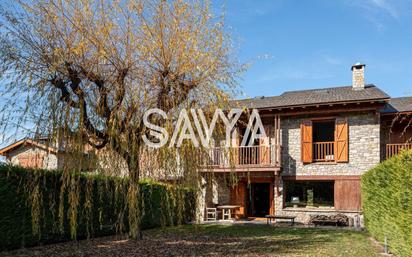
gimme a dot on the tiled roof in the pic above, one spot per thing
(400, 104)
(314, 96)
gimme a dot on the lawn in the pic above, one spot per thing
(219, 240)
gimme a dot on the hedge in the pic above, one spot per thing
(98, 211)
(387, 203)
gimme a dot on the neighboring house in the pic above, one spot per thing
(40, 153)
(32, 153)
(319, 143)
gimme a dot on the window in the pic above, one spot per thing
(309, 193)
(324, 131)
(325, 141)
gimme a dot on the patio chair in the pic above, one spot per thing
(211, 214)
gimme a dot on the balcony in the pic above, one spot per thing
(245, 158)
(324, 151)
(395, 149)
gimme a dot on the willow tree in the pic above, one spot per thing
(89, 69)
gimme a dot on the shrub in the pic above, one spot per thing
(387, 202)
(102, 208)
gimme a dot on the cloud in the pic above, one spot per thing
(385, 6)
(378, 12)
(376, 7)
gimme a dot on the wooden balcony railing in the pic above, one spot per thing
(394, 149)
(324, 151)
(245, 156)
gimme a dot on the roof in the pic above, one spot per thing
(315, 96)
(400, 104)
(26, 141)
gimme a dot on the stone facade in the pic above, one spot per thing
(364, 147)
(217, 190)
(364, 153)
(364, 139)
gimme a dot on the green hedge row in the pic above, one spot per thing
(387, 203)
(102, 208)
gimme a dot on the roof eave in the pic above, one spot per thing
(9, 148)
(384, 100)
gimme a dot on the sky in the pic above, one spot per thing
(301, 44)
(304, 44)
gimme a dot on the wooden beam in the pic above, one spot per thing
(380, 101)
(329, 111)
(338, 177)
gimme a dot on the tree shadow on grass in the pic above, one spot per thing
(201, 241)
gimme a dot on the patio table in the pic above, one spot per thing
(227, 211)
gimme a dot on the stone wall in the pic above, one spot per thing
(364, 148)
(217, 190)
(364, 153)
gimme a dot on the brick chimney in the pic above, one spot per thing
(358, 76)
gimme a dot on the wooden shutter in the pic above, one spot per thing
(341, 140)
(307, 141)
(235, 148)
(264, 143)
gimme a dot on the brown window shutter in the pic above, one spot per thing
(341, 140)
(264, 151)
(307, 141)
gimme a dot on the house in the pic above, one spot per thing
(319, 143)
(40, 152)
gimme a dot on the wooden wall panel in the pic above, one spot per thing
(238, 197)
(347, 195)
(272, 199)
(399, 135)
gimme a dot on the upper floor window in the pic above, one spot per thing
(325, 140)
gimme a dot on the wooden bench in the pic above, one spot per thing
(278, 217)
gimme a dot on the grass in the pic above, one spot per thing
(219, 240)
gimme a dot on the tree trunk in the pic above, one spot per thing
(133, 165)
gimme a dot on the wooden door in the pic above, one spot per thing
(238, 197)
